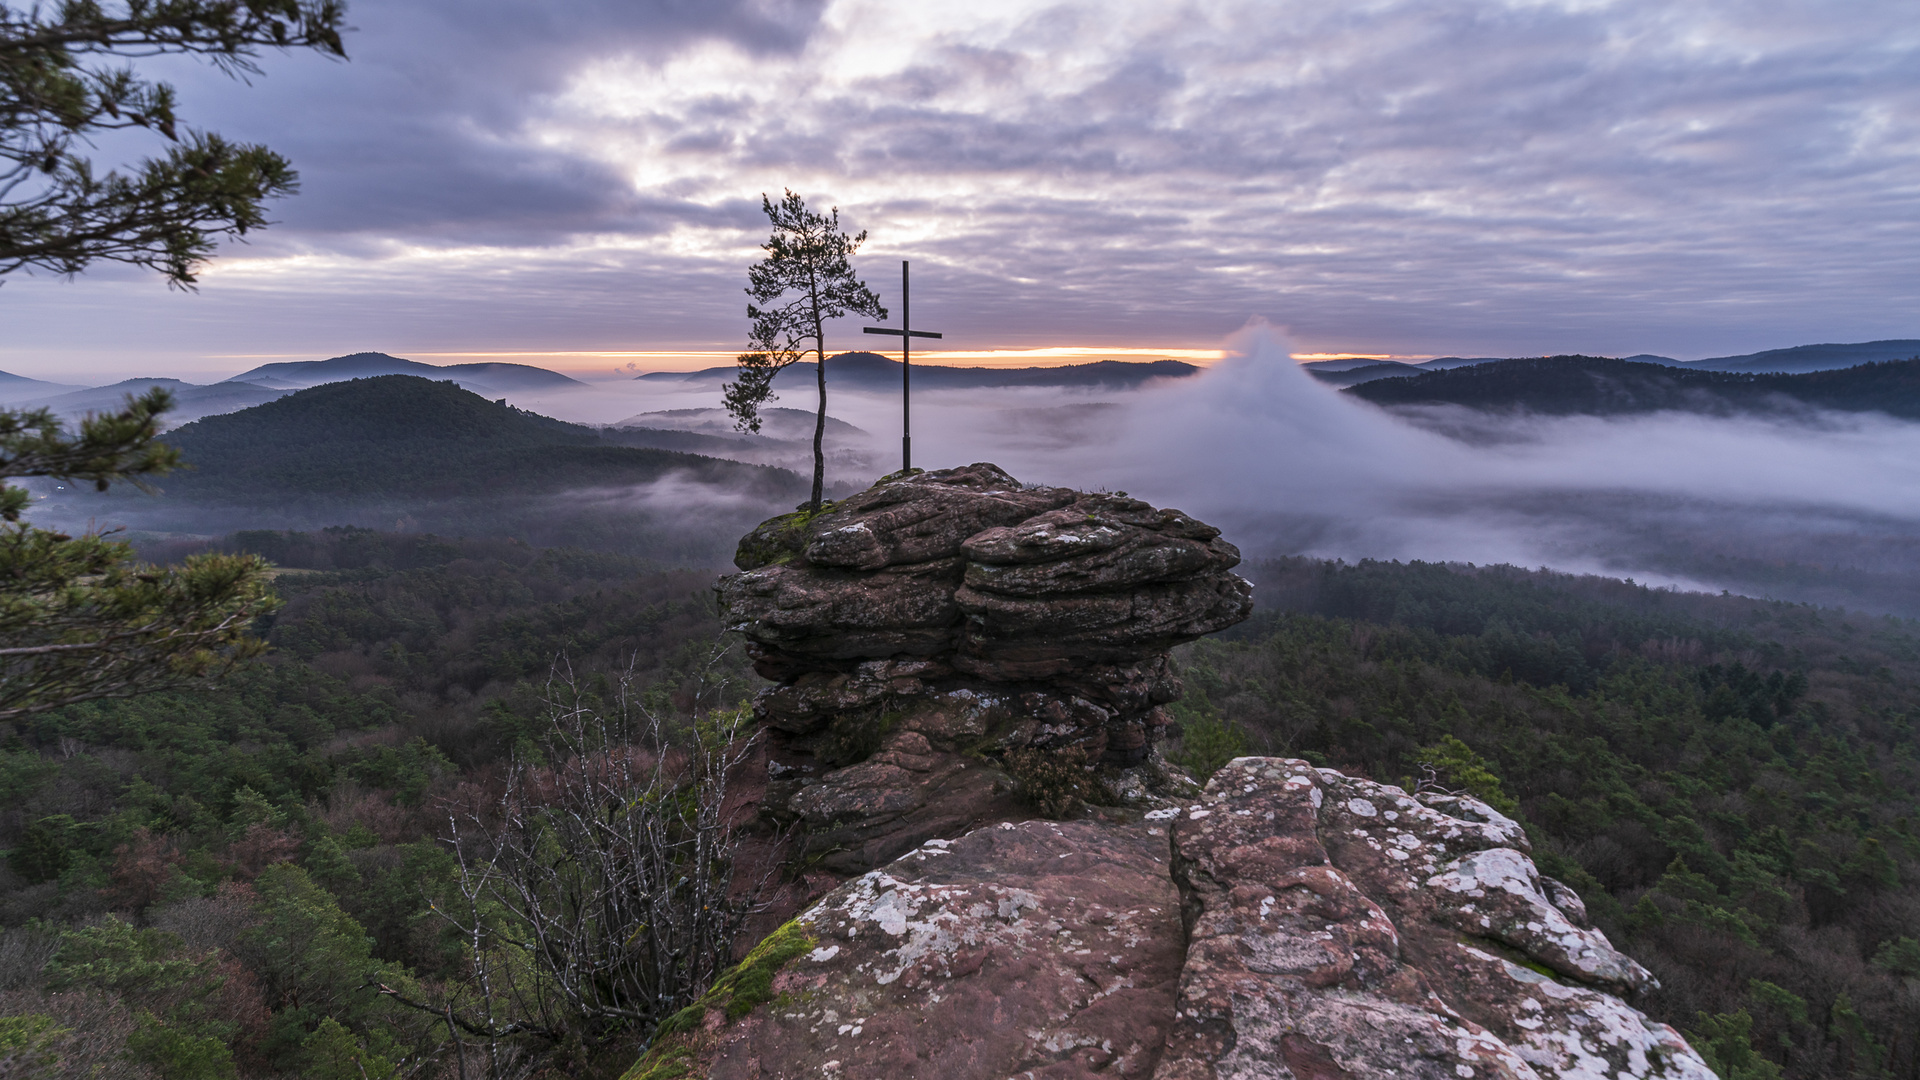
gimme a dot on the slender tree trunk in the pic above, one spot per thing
(820, 418)
(820, 371)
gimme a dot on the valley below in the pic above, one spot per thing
(1675, 645)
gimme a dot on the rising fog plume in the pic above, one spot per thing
(1825, 508)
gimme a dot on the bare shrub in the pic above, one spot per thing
(24, 952)
(206, 923)
(259, 847)
(141, 869)
(349, 804)
(85, 1040)
(596, 892)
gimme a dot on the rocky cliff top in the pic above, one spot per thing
(1291, 922)
(1004, 582)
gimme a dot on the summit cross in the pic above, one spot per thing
(906, 334)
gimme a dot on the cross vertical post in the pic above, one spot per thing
(906, 334)
(906, 373)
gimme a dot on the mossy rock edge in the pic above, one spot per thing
(748, 985)
(779, 539)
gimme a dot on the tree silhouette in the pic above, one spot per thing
(806, 278)
(56, 212)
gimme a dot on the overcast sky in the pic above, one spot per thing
(578, 182)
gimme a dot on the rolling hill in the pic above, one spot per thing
(1353, 373)
(1601, 386)
(414, 455)
(484, 377)
(19, 388)
(1805, 358)
(190, 401)
(403, 436)
(778, 422)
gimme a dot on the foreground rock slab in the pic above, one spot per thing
(1042, 949)
(1343, 928)
(1292, 923)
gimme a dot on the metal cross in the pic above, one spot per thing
(906, 334)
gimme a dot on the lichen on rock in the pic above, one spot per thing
(1043, 948)
(1341, 927)
(1291, 923)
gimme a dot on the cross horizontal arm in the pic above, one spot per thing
(896, 333)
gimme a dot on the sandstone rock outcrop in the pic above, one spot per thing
(1063, 603)
(1043, 948)
(1291, 923)
(940, 616)
(1341, 927)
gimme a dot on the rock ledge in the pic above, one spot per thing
(1292, 923)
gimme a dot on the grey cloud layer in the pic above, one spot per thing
(1414, 176)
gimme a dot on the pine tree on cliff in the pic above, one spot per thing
(807, 266)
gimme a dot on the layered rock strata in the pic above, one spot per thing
(1292, 923)
(940, 618)
(1046, 610)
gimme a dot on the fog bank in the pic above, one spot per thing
(1826, 510)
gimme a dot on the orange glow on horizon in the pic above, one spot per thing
(1314, 357)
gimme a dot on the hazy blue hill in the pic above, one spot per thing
(488, 376)
(691, 442)
(777, 422)
(1601, 386)
(1805, 358)
(190, 401)
(1352, 373)
(866, 370)
(19, 390)
(11, 381)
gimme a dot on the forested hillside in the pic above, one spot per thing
(399, 435)
(397, 451)
(1732, 784)
(1599, 386)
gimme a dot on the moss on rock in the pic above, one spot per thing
(778, 540)
(742, 989)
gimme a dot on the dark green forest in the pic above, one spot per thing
(1600, 386)
(218, 883)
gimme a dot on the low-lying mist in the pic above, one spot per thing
(1824, 510)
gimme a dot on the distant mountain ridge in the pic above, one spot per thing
(1800, 359)
(1805, 358)
(1352, 373)
(20, 388)
(1603, 386)
(871, 370)
(777, 422)
(190, 401)
(490, 376)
